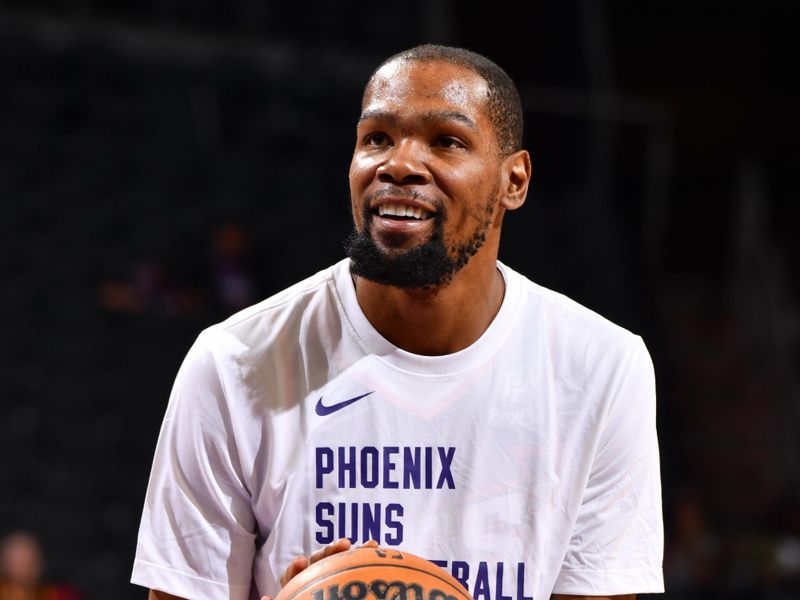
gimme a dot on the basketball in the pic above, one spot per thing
(373, 574)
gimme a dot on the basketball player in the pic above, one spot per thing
(418, 393)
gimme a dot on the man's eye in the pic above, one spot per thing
(376, 139)
(446, 141)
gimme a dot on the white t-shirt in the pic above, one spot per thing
(525, 464)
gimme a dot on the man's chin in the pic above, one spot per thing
(421, 266)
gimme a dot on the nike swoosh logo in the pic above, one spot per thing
(323, 410)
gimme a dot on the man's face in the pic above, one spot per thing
(425, 174)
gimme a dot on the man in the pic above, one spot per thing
(419, 394)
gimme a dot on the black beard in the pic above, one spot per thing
(426, 266)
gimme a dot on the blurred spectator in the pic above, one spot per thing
(21, 569)
(223, 280)
(234, 284)
(150, 290)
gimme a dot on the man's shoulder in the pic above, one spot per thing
(566, 321)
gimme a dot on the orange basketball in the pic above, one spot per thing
(373, 574)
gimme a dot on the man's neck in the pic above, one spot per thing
(435, 322)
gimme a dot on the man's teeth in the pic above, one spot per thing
(400, 210)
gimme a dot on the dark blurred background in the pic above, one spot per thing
(164, 163)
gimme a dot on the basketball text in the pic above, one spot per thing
(379, 590)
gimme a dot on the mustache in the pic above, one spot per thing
(404, 193)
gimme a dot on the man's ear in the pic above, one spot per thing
(516, 177)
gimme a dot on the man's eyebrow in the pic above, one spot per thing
(430, 116)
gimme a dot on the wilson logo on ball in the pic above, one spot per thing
(379, 590)
(370, 573)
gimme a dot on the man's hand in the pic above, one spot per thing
(156, 595)
(301, 563)
(567, 597)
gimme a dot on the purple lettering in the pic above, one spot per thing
(388, 467)
(347, 466)
(393, 514)
(324, 464)
(446, 457)
(411, 468)
(324, 511)
(369, 467)
(482, 583)
(499, 586)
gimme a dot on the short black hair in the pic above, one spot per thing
(505, 107)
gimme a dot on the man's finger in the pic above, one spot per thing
(297, 565)
(301, 562)
(340, 545)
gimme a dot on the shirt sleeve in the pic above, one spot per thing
(618, 538)
(196, 538)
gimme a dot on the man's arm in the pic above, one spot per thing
(155, 595)
(617, 537)
(298, 564)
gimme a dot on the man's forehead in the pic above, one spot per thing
(402, 79)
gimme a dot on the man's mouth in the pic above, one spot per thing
(404, 212)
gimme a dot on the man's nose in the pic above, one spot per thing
(405, 164)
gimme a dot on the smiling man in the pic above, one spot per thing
(418, 393)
